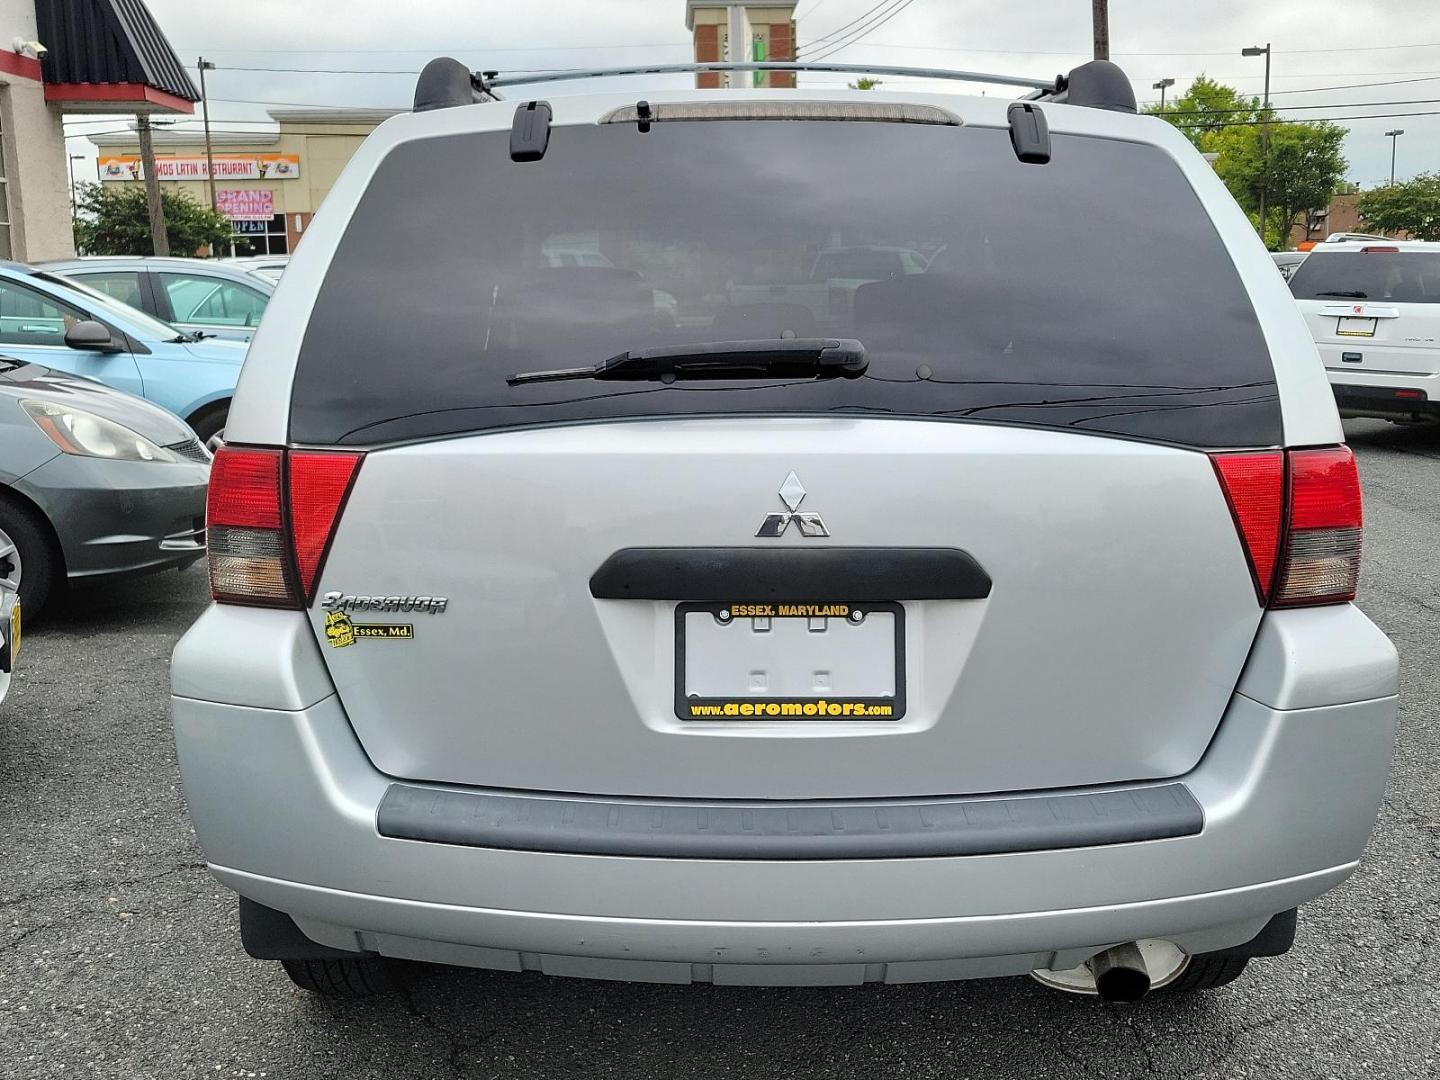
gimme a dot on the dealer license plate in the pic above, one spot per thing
(778, 660)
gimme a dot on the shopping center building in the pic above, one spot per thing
(268, 184)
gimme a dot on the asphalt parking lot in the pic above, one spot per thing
(119, 955)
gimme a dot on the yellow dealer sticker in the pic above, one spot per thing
(340, 631)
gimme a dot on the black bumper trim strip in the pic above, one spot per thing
(858, 829)
(826, 573)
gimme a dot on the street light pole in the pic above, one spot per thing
(204, 66)
(1100, 20)
(1394, 138)
(1256, 50)
(1161, 85)
(81, 157)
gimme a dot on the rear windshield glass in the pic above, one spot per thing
(1091, 293)
(1403, 277)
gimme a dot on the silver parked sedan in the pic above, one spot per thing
(93, 483)
(205, 297)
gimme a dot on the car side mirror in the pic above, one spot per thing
(89, 334)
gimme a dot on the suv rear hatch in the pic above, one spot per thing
(1375, 309)
(1033, 422)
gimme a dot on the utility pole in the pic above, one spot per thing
(1256, 50)
(1161, 85)
(1394, 138)
(152, 185)
(204, 66)
(1100, 17)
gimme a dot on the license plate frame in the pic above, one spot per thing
(791, 709)
(1356, 325)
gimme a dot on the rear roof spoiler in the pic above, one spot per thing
(1099, 84)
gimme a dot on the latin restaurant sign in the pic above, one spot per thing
(227, 167)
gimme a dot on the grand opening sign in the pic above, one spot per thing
(227, 167)
(246, 205)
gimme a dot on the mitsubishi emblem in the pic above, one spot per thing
(792, 494)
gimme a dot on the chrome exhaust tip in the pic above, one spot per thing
(1120, 973)
(1124, 972)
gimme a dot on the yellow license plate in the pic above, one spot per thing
(14, 631)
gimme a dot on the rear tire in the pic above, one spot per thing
(209, 425)
(39, 561)
(358, 977)
(1207, 973)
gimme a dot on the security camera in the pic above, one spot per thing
(30, 48)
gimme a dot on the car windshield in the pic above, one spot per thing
(1399, 277)
(974, 282)
(148, 326)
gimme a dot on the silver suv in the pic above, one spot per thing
(992, 619)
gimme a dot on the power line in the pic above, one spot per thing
(1075, 52)
(1292, 108)
(863, 31)
(841, 29)
(485, 48)
(444, 50)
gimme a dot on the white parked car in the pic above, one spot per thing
(1287, 262)
(1373, 308)
(996, 621)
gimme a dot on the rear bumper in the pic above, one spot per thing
(1394, 395)
(122, 517)
(1404, 401)
(285, 805)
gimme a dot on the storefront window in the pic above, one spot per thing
(259, 237)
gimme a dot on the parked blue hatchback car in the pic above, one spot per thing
(64, 325)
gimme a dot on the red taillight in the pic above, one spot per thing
(319, 482)
(1254, 486)
(1299, 519)
(1321, 564)
(258, 553)
(1374, 250)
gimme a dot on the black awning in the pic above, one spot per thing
(109, 42)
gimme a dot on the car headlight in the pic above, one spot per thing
(76, 431)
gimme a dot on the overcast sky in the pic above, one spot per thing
(380, 45)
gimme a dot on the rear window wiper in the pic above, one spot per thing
(767, 358)
(1355, 294)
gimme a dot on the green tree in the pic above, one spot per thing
(1205, 107)
(1411, 206)
(112, 219)
(865, 82)
(1303, 167)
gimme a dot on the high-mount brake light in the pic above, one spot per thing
(1298, 514)
(263, 552)
(1379, 250)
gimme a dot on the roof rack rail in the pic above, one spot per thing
(445, 82)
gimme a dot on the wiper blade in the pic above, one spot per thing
(766, 358)
(1355, 295)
